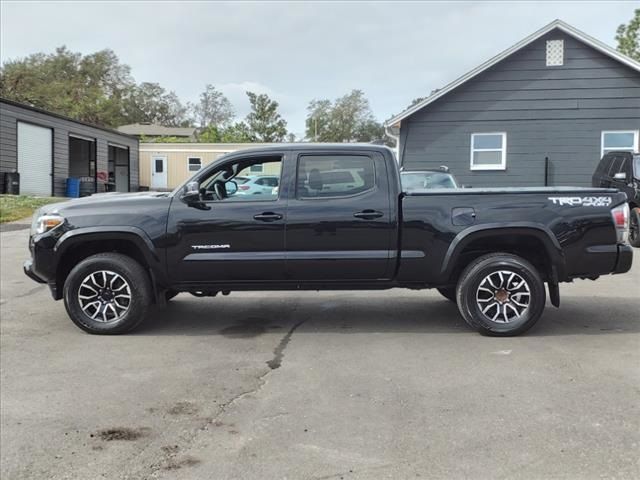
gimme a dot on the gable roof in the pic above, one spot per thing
(556, 24)
(152, 130)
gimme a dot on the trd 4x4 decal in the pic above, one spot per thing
(582, 201)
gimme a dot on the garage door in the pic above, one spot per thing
(34, 159)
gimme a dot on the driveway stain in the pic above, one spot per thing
(183, 408)
(249, 328)
(278, 352)
(123, 433)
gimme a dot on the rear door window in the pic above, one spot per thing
(323, 176)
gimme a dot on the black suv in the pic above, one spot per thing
(621, 170)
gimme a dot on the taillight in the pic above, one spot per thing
(244, 187)
(620, 216)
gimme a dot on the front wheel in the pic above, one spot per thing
(107, 293)
(634, 227)
(501, 295)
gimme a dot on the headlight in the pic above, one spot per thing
(45, 223)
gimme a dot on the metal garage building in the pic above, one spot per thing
(46, 149)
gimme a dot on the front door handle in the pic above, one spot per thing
(368, 214)
(268, 217)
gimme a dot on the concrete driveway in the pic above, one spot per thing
(355, 385)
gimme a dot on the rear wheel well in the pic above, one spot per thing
(76, 253)
(529, 247)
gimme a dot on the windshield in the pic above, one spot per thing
(636, 166)
(426, 180)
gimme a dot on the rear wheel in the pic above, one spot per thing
(501, 295)
(634, 227)
(107, 293)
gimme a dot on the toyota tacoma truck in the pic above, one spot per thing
(338, 220)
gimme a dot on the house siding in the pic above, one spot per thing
(547, 112)
(11, 114)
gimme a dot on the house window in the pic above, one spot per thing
(555, 53)
(621, 140)
(488, 151)
(195, 164)
(256, 168)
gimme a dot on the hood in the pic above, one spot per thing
(113, 199)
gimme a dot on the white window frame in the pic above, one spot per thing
(604, 132)
(503, 151)
(188, 164)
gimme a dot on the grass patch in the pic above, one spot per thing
(16, 207)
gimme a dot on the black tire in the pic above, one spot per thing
(115, 265)
(634, 227)
(449, 293)
(497, 268)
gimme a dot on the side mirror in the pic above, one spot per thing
(620, 176)
(191, 193)
(231, 186)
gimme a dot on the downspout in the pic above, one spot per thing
(395, 138)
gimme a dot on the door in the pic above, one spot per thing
(158, 172)
(224, 236)
(339, 222)
(35, 159)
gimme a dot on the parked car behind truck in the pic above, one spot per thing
(491, 251)
(621, 170)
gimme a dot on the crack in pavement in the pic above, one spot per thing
(273, 364)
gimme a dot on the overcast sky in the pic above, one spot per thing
(297, 51)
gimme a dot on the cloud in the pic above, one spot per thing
(297, 51)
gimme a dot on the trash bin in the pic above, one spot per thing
(87, 186)
(3, 187)
(12, 183)
(73, 187)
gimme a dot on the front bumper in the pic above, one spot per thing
(625, 259)
(28, 271)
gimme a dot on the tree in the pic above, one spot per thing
(347, 119)
(151, 103)
(213, 108)
(264, 121)
(90, 88)
(237, 133)
(94, 88)
(628, 37)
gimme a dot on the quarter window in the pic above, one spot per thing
(195, 164)
(621, 140)
(488, 151)
(323, 176)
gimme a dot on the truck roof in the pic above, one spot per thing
(304, 146)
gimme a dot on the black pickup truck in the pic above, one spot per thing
(336, 220)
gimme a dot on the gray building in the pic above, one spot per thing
(46, 149)
(559, 98)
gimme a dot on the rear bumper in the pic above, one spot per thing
(625, 259)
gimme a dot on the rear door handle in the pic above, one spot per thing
(368, 214)
(268, 217)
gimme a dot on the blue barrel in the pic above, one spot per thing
(73, 187)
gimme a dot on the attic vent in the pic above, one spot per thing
(555, 53)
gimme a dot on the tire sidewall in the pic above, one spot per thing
(472, 311)
(634, 223)
(137, 285)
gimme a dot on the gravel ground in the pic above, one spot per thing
(305, 385)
